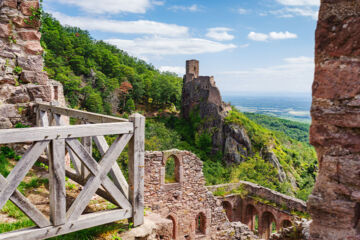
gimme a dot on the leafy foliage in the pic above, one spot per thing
(101, 78)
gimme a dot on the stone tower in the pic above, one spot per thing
(192, 69)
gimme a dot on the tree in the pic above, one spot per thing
(130, 105)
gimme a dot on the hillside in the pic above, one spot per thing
(99, 77)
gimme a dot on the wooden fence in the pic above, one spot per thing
(59, 141)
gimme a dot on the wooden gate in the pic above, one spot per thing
(59, 141)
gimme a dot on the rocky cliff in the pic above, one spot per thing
(201, 96)
(22, 79)
(335, 202)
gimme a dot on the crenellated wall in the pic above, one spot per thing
(22, 79)
(335, 131)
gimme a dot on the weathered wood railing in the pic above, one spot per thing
(60, 141)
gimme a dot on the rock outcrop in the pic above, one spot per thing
(335, 202)
(22, 79)
(201, 96)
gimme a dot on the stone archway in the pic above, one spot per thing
(200, 224)
(228, 210)
(251, 217)
(267, 224)
(174, 226)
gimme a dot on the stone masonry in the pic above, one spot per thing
(335, 202)
(22, 79)
(194, 211)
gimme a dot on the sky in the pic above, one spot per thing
(249, 46)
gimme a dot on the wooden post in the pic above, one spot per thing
(57, 182)
(136, 169)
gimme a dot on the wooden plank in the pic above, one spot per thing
(84, 222)
(20, 170)
(87, 142)
(119, 197)
(82, 115)
(102, 193)
(57, 182)
(115, 172)
(136, 169)
(69, 172)
(27, 207)
(94, 182)
(75, 160)
(63, 132)
(83, 155)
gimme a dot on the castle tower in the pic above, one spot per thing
(192, 67)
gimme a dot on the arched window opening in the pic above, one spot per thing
(172, 173)
(252, 218)
(201, 223)
(173, 226)
(268, 225)
(228, 210)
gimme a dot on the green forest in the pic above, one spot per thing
(98, 77)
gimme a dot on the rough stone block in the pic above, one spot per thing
(5, 123)
(34, 77)
(31, 63)
(28, 7)
(19, 96)
(7, 80)
(4, 30)
(33, 47)
(30, 35)
(9, 111)
(337, 79)
(41, 91)
(10, 3)
(21, 22)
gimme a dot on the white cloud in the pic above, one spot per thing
(258, 36)
(174, 69)
(297, 11)
(262, 37)
(299, 2)
(192, 8)
(304, 8)
(242, 11)
(110, 6)
(299, 60)
(159, 46)
(295, 75)
(220, 34)
(129, 27)
(282, 35)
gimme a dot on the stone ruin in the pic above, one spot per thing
(335, 202)
(200, 95)
(196, 213)
(22, 78)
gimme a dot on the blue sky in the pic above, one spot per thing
(252, 46)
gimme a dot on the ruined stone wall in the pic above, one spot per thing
(184, 200)
(253, 189)
(335, 202)
(22, 79)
